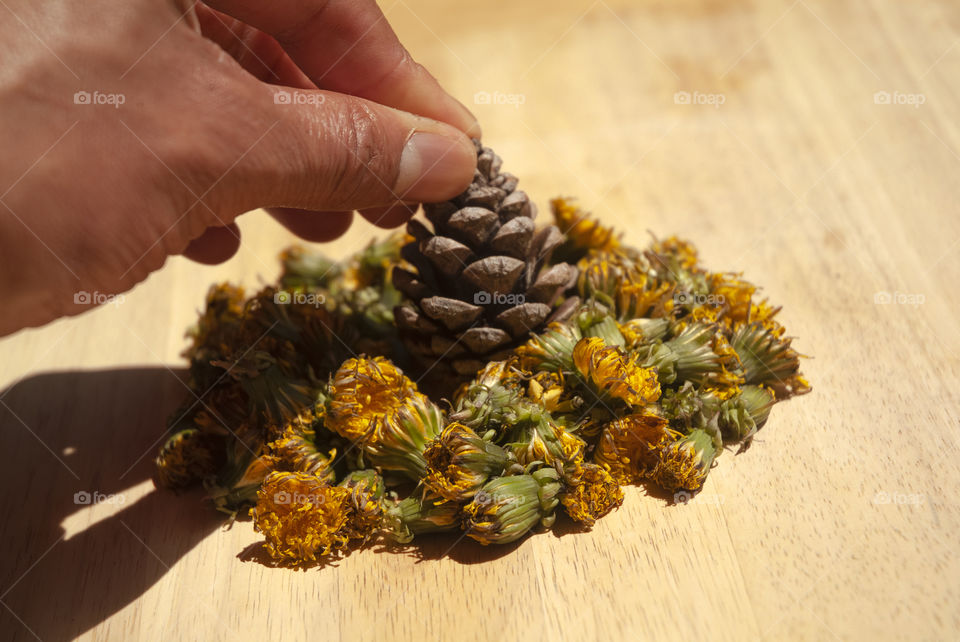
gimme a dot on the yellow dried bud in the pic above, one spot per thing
(614, 374)
(459, 462)
(583, 231)
(184, 459)
(683, 250)
(629, 447)
(685, 463)
(364, 393)
(301, 516)
(590, 494)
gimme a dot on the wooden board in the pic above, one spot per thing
(841, 522)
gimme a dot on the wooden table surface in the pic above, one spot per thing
(841, 522)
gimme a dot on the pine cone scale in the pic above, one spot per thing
(480, 281)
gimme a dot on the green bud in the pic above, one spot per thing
(742, 416)
(417, 515)
(769, 359)
(685, 463)
(509, 507)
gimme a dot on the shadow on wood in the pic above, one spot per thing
(92, 432)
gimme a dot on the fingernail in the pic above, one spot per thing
(474, 131)
(434, 167)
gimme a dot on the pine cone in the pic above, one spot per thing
(482, 278)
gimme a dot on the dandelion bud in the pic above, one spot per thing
(459, 462)
(685, 463)
(508, 507)
(630, 447)
(590, 493)
(742, 416)
(185, 459)
(301, 517)
(768, 359)
(493, 400)
(417, 515)
(611, 374)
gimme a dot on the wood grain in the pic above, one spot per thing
(840, 523)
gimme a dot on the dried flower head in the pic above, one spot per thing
(459, 462)
(613, 374)
(768, 359)
(507, 508)
(681, 250)
(545, 441)
(689, 407)
(640, 332)
(185, 459)
(742, 416)
(225, 407)
(550, 351)
(274, 380)
(602, 274)
(416, 515)
(629, 447)
(590, 493)
(364, 393)
(733, 293)
(493, 400)
(647, 300)
(398, 441)
(626, 283)
(243, 470)
(685, 463)
(583, 231)
(726, 382)
(548, 391)
(365, 503)
(700, 354)
(301, 516)
(763, 313)
(296, 449)
(216, 332)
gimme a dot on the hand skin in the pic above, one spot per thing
(95, 195)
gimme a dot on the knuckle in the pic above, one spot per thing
(363, 171)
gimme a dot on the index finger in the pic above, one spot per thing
(349, 47)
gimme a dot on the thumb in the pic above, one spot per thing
(330, 151)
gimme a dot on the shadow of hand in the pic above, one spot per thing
(96, 433)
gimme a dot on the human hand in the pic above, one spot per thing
(141, 129)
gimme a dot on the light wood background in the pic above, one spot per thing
(841, 523)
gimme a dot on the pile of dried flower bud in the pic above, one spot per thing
(311, 415)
